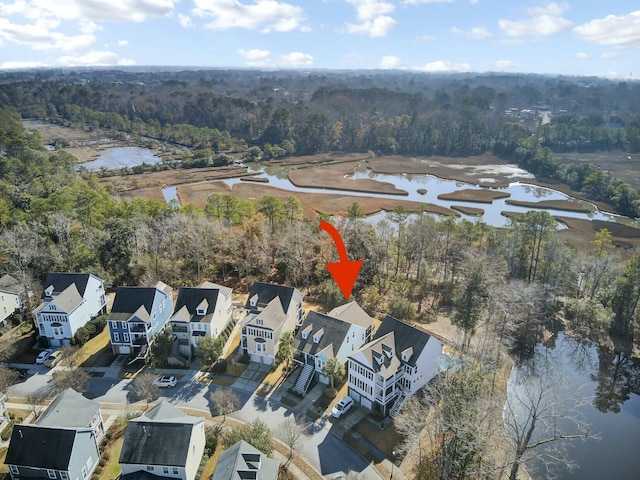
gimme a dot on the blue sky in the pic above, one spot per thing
(585, 37)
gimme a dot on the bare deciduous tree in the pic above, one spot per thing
(76, 379)
(36, 399)
(69, 357)
(143, 388)
(7, 377)
(224, 402)
(291, 431)
(540, 421)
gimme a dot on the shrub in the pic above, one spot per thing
(331, 392)
(98, 470)
(102, 462)
(220, 366)
(106, 456)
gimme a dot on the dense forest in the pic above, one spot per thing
(516, 283)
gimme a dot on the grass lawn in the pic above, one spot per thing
(211, 464)
(91, 351)
(3, 454)
(385, 440)
(112, 469)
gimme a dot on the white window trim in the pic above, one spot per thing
(51, 473)
(14, 469)
(116, 337)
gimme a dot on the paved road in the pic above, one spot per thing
(323, 450)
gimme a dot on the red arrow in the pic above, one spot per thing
(345, 271)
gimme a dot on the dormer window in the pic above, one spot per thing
(253, 301)
(318, 335)
(378, 358)
(202, 308)
(306, 332)
(48, 292)
(406, 354)
(388, 351)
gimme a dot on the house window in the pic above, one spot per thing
(176, 471)
(150, 468)
(64, 475)
(14, 469)
(89, 463)
(113, 325)
(165, 469)
(116, 337)
(84, 472)
(125, 337)
(51, 473)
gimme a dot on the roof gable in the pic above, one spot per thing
(331, 332)
(243, 461)
(264, 293)
(353, 313)
(406, 337)
(272, 316)
(194, 298)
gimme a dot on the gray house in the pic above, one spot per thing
(241, 460)
(71, 409)
(163, 442)
(36, 451)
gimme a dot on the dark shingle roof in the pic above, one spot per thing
(61, 281)
(130, 299)
(192, 297)
(41, 447)
(156, 443)
(334, 332)
(267, 292)
(405, 336)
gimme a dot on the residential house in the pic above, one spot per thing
(138, 315)
(203, 311)
(69, 301)
(163, 442)
(12, 297)
(243, 461)
(71, 409)
(38, 451)
(270, 310)
(335, 335)
(399, 361)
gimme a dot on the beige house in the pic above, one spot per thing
(270, 310)
(12, 296)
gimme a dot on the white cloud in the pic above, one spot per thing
(105, 10)
(582, 56)
(424, 38)
(19, 7)
(418, 2)
(185, 21)
(39, 36)
(88, 27)
(295, 59)
(16, 65)
(391, 62)
(619, 31)
(263, 15)
(445, 66)
(504, 64)
(542, 22)
(256, 57)
(610, 55)
(373, 18)
(473, 2)
(123, 43)
(476, 33)
(95, 58)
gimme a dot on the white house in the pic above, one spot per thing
(69, 301)
(269, 311)
(12, 297)
(163, 442)
(399, 361)
(335, 335)
(203, 311)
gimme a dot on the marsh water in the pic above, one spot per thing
(610, 381)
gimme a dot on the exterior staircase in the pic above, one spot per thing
(400, 402)
(304, 379)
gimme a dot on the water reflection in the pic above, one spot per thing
(611, 380)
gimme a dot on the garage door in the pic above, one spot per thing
(366, 403)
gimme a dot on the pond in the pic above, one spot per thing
(611, 382)
(120, 157)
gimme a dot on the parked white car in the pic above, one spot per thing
(165, 381)
(43, 355)
(342, 407)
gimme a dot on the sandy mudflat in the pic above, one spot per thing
(333, 176)
(312, 203)
(565, 205)
(478, 196)
(476, 212)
